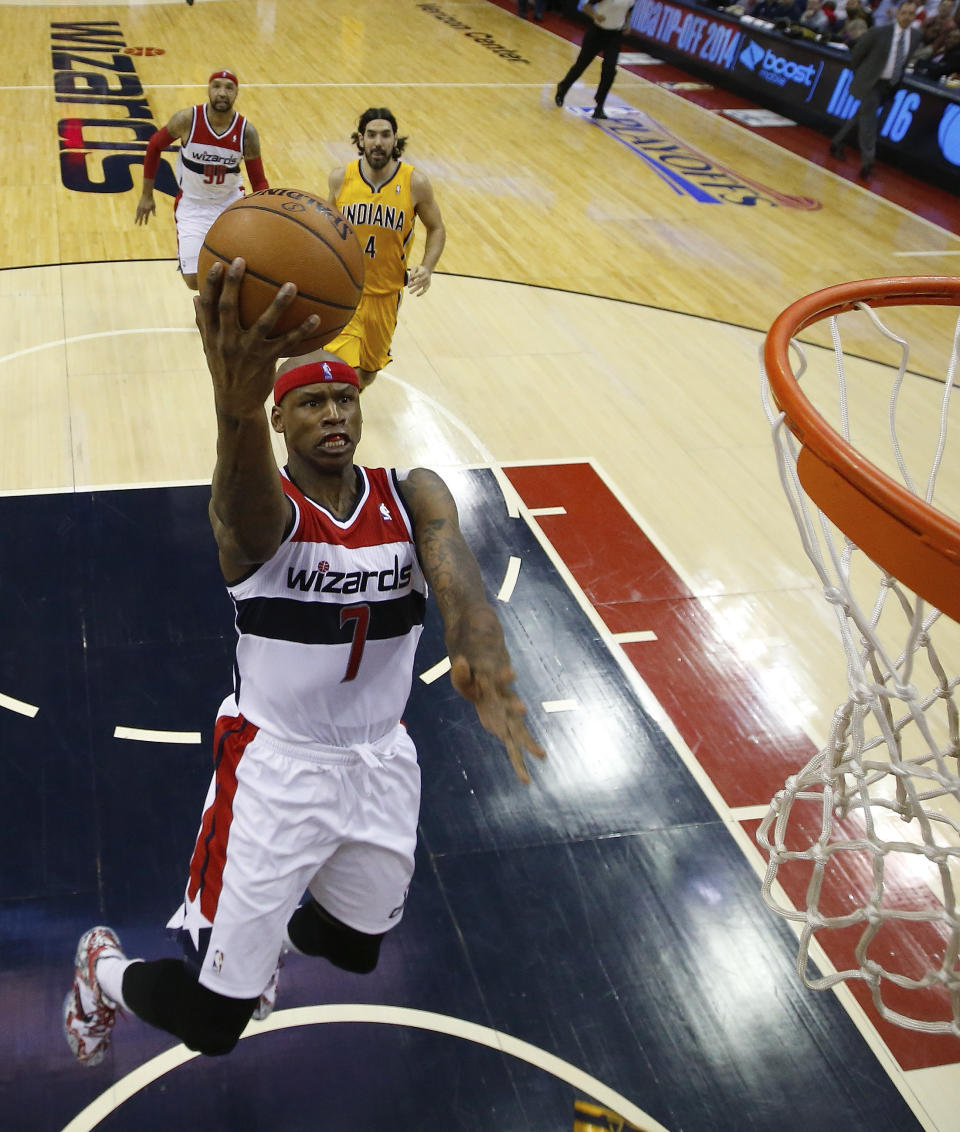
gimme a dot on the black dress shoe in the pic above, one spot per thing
(559, 96)
(837, 151)
(600, 112)
(865, 172)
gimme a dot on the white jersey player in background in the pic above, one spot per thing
(316, 785)
(213, 137)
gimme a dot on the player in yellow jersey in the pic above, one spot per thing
(382, 197)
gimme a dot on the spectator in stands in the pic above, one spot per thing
(937, 29)
(884, 12)
(815, 18)
(779, 11)
(852, 30)
(853, 21)
(945, 63)
(858, 10)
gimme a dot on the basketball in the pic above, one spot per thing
(290, 236)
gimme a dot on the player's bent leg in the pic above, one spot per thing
(191, 282)
(364, 343)
(165, 994)
(313, 931)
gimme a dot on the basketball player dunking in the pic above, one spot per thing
(213, 138)
(382, 196)
(316, 785)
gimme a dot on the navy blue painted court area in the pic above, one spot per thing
(605, 915)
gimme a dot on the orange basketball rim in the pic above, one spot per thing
(907, 537)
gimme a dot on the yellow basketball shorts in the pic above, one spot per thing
(364, 342)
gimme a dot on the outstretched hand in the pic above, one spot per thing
(242, 362)
(499, 708)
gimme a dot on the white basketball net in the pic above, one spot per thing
(866, 837)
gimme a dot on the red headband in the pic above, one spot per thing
(314, 373)
(224, 75)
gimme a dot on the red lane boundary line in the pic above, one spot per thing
(921, 198)
(717, 703)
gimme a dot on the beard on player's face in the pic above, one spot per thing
(221, 98)
(379, 148)
(377, 155)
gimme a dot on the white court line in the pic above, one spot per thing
(53, 343)
(510, 495)
(639, 635)
(749, 813)
(548, 511)
(145, 736)
(436, 671)
(509, 583)
(908, 255)
(18, 706)
(560, 705)
(164, 1063)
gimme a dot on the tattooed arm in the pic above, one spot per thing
(480, 667)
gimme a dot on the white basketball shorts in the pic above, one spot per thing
(194, 219)
(281, 818)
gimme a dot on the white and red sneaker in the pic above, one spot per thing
(268, 1000)
(88, 1015)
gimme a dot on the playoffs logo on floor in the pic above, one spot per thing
(687, 170)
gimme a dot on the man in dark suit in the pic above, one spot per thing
(878, 57)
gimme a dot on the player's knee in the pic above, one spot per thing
(366, 377)
(166, 994)
(314, 931)
(214, 1023)
(191, 282)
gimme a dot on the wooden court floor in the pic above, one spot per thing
(586, 312)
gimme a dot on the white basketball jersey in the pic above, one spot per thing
(208, 164)
(329, 627)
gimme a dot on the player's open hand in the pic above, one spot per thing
(242, 362)
(146, 207)
(500, 710)
(418, 281)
